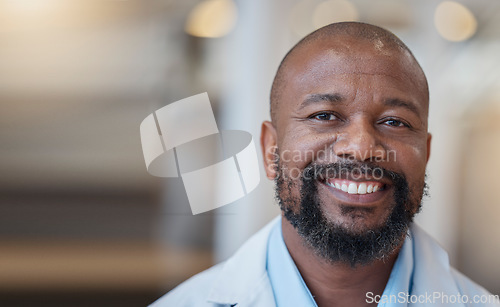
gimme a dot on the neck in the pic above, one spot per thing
(336, 284)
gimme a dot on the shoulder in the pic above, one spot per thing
(433, 273)
(465, 284)
(230, 281)
(473, 291)
(192, 292)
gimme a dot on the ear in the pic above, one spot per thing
(268, 143)
(429, 138)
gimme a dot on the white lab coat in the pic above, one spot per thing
(242, 280)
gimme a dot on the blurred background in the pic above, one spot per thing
(82, 223)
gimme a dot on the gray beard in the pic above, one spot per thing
(336, 243)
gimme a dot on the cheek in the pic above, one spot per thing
(411, 159)
(301, 147)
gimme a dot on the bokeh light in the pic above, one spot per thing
(454, 21)
(212, 18)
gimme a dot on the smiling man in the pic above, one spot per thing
(347, 147)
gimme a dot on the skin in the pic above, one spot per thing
(360, 125)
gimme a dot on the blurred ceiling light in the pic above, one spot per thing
(27, 5)
(330, 11)
(454, 22)
(300, 17)
(212, 18)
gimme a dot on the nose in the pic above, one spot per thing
(359, 141)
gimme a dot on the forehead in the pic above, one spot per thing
(349, 55)
(316, 64)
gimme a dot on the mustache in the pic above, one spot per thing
(343, 169)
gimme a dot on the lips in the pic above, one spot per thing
(365, 191)
(355, 187)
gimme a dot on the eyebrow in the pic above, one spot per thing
(395, 102)
(336, 98)
(315, 98)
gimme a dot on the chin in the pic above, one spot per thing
(357, 220)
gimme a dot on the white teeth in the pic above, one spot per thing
(362, 188)
(353, 189)
(369, 189)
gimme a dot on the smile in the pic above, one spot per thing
(362, 192)
(355, 187)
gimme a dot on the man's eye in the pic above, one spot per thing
(324, 116)
(396, 123)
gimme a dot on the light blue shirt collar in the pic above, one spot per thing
(290, 289)
(288, 286)
(399, 284)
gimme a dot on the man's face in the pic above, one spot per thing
(356, 114)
